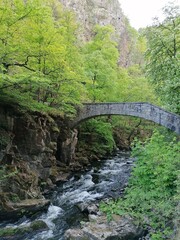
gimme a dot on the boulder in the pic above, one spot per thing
(86, 207)
(93, 209)
(75, 234)
(98, 228)
(19, 232)
(10, 210)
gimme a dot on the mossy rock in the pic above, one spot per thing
(38, 225)
(4, 232)
(35, 226)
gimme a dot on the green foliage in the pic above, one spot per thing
(7, 232)
(97, 135)
(135, 46)
(5, 173)
(101, 56)
(38, 225)
(42, 65)
(14, 197)
(151, 196)
(130, 85)
(162, 56)
(18, 232)
(38, 46)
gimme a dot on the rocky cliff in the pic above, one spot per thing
(102, 12)
(35, 151)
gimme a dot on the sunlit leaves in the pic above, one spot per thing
(101, 56)
(38, 50)
(97, 136)
(163, 57)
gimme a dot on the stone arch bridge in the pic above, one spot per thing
(138, 109)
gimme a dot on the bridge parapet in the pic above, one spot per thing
(138, 109)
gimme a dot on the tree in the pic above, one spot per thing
(163, 57)
(134, 46)
(38, 46)
(101, 57)
(130, 85)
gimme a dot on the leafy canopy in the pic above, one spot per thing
(101, 57)
(38, 46)
(162, 55)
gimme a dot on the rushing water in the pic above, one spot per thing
(106, 179)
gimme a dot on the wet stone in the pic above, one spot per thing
(100, 229)
(74, 199)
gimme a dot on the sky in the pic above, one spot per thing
(141, 12)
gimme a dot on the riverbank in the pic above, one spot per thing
(106, 179)
(37, 151)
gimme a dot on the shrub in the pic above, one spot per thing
(151, 195)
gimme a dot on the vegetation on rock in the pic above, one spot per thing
(35, 226)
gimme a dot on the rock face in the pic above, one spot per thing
(29, 143)
(66, 144)
(30, 147)
(100, 229)
(25, 207)
(102, 12)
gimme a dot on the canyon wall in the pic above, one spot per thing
(35, 152)
(102, 12)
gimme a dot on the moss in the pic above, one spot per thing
(38, 225)
(55, 129)
(7, 232)
(14, 197)
(21, 231)
(10, 232)
(34, 226)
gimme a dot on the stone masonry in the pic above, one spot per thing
(138, 109)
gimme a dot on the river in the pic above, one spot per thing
(106, 179)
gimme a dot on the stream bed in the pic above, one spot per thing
(106, 179)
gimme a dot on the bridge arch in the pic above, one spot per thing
(137, 109)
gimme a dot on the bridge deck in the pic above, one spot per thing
(138, 109)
